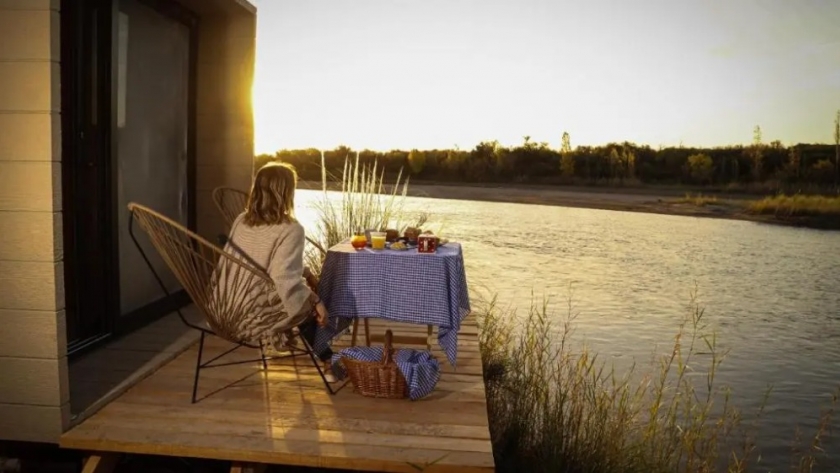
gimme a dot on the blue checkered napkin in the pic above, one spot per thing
(420, 369)
(404, 286)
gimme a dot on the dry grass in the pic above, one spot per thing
(797, 206)
(363, 202)
(699, 200)
(555, 408)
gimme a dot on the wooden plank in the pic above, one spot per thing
(33, 186)
(128, 439)
(34, 381)
(27, 285)
(28, 35)
(101, 463)
(30, 136)
(444, 414)
(277, 377)
(286, 417)
(180, 368)
(33, 333)
(30, 86)
(33, 423)
(469, 408)
(467, 352)
(235, 428)
(31, 236)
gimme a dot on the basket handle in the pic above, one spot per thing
(388, 349)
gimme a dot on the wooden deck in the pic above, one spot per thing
(285, 416)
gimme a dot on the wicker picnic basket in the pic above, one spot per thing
(381, 379)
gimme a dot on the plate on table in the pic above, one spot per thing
(399, 246)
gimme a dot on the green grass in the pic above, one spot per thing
(797, 206)
(554, 407)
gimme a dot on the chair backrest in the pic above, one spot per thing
(230, 202)
(226, 289)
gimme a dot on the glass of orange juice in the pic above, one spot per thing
(377, 240)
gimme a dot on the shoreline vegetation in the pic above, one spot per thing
(555, 406)
(796, 185)
(810, 211)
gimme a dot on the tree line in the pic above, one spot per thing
(759, 165)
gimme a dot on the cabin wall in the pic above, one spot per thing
(225, 119)
(34, 385)
(34, 394)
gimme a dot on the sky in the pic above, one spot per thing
(401, 74)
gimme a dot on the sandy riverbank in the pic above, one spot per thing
(666, 201)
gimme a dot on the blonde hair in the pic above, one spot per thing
(272, 198)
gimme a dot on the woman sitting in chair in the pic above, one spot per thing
(268, 236)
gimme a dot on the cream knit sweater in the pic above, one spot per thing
(278, 250)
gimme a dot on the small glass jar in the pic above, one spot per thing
(358, 241)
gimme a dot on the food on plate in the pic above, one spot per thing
(398, 245)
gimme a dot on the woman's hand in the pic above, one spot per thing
(310, 278)
(321, 314)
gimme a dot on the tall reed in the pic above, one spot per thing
(554, 407)
(362, 202)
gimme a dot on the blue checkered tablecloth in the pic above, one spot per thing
(404, 286)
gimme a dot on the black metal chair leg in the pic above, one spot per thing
(198, 367)
(317, 363)
(262, 355)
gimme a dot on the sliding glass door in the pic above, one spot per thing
(128, 88)
(153, 138)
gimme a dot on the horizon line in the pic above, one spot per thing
(609, 143)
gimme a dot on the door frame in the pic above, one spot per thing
(96, 302)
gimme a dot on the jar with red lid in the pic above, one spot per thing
(426, 243)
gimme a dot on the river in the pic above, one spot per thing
(771, 292)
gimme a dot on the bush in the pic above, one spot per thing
(797, 205)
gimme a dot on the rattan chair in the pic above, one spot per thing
(231, 202)
(223, 288)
